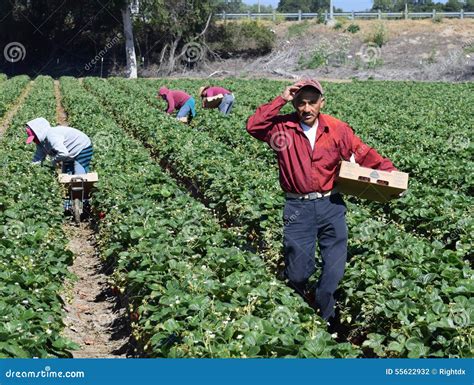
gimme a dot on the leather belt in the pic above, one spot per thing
(311, 195)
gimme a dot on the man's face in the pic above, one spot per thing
(308, 103)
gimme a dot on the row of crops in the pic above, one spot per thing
(405, 293)
(193, 291)
(441, 191)
(10, 90)
(193, 225)
(33, 259)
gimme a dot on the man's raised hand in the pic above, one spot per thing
(289, 93)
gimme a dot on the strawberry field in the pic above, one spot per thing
(191, 221)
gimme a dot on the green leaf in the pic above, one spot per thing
(15, 350)
(136, 233)
(395, 346)
(171, 325)
(413, 343)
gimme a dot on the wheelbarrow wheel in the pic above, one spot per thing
(77, 210)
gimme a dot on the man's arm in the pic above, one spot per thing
(365, 155)
(39, 155)
(57, 143)
(260, 124)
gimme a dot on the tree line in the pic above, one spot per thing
(422, 5)
(238, 6)
(80, 37)
(90, 37)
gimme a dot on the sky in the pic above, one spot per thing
(346, 5)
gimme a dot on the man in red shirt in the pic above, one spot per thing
(227, 101)
(309, 147)
(178, 100)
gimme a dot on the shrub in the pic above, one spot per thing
(317, 58)
(326, 52)
(298, 29)
(353, 28)
(379, 35)
(279, 18)
(432, 58)
(338, 25)
(375, 63)
(249, 38)
(321, 16)
(468, 48)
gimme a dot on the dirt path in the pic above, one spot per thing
(61, 116)
(94, 318)
(7, 119)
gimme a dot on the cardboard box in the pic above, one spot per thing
(88, 184)
(367, 183)
(213, 101)
(90, 177)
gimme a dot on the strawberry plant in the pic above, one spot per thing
(192, 288)
(184, 270)
(396, 266)
(443, 218)
(10, 90)
(33, 256)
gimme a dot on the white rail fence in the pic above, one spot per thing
(299, 16)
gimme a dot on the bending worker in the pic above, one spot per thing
(227, 97)
(64, 144)
(309, 147)
(181, 101)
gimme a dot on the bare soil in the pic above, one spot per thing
(94, 320)
(415, 50)
(61, 116)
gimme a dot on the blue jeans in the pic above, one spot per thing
(307, 222)
(80, 164)
(226, 105)
(188, 108)
(72, 167)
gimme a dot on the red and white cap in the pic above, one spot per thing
(309, 83)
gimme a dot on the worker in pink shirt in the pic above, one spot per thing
(178, 100)
(227, 97)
